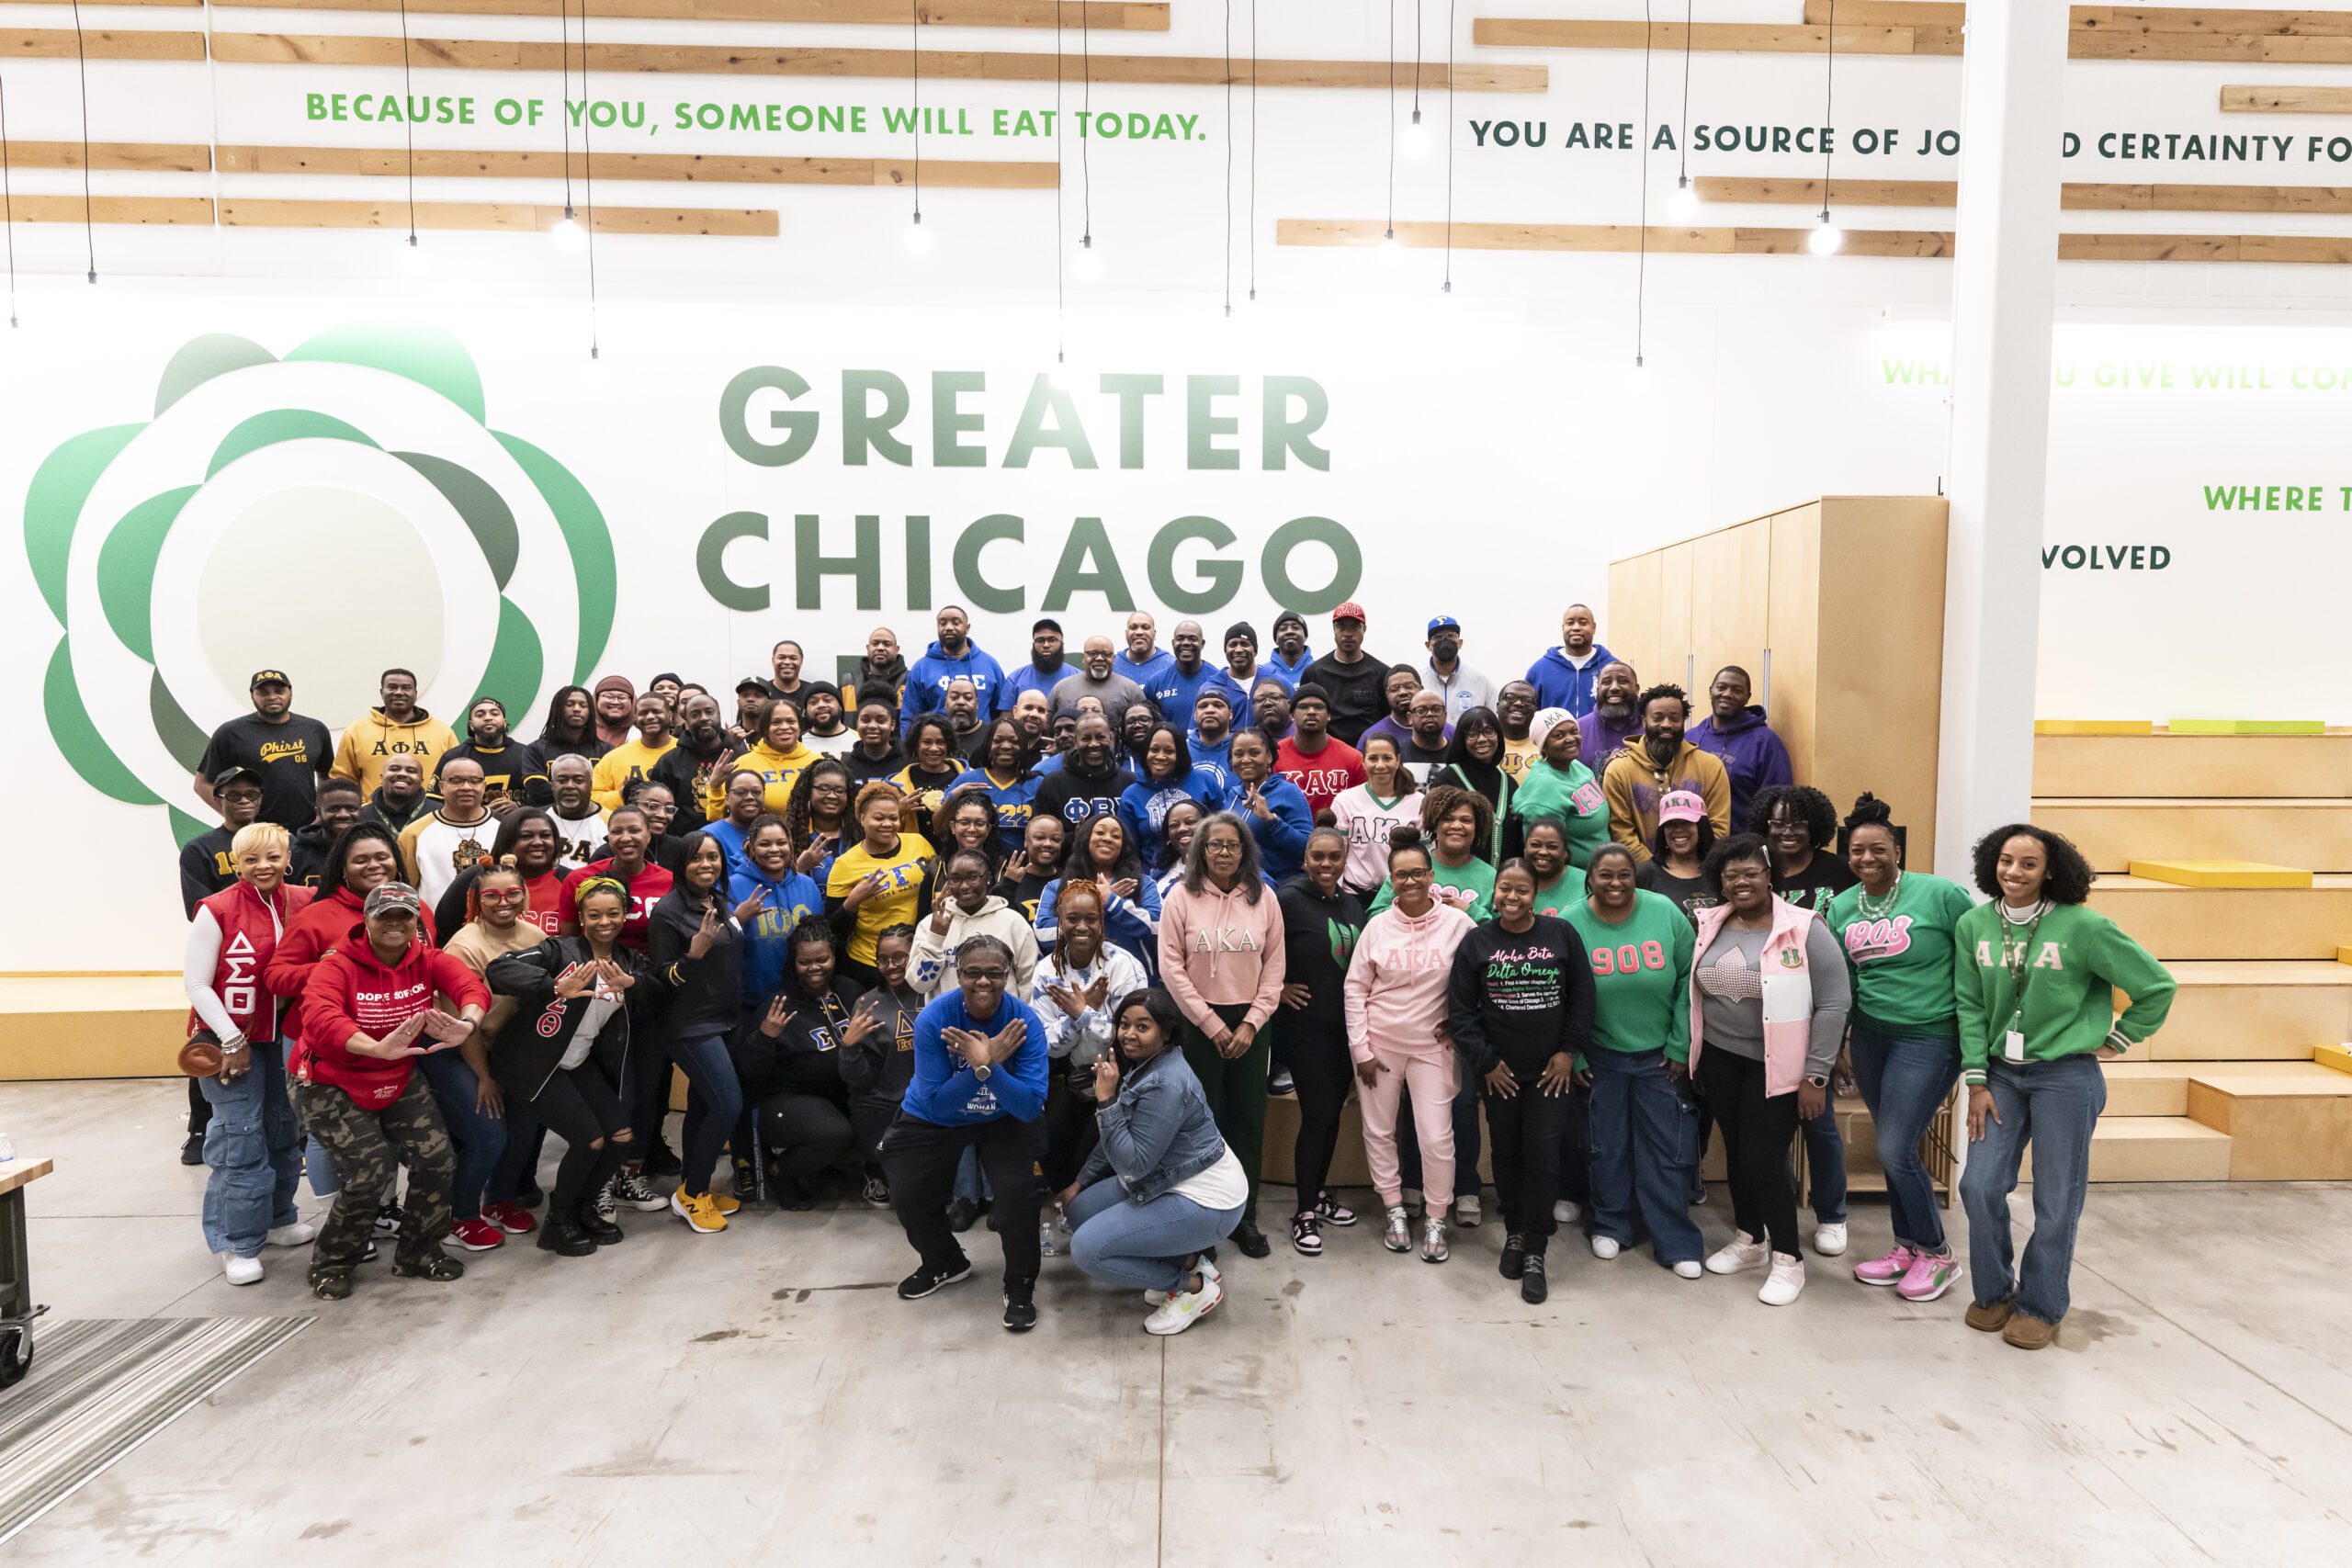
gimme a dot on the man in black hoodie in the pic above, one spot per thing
(401, 798)
(882, 674)
(339, 807)
(690, 767)
(1090, 779)
(512, 770)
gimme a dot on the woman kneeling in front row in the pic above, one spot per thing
(1161, 1187)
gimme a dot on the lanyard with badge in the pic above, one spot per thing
(2019, 964)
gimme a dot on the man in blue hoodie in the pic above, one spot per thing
(979, 1083)
(1187, 675)
(1564, 677)
(1736, 731)
(954, 654)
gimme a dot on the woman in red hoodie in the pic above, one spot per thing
(368, 1011)
(1222, 957)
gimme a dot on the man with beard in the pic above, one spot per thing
(1290, 655)
(514, 773)
(456, 837)
(962, 707)
(1656, 762)
(1090, 779)
(1211, 741)
(881, 674)
(952, 655)
(396, 728)
(1515, 705)
(339, 805)
(1046, 668)
(1564, 677)
(1320, 766)
(623, 765)
(1616, 716)
(579, 822)
(1035, 718)
(1101, 680)
(1735, 730)
(821, 730)
(1173, 692)
(1444, 673)
(752, 700)
(1239, 679)
(286, 753)
(1426, 734)
(1355, 680)
(401, 798)
(1142, 661)
(694, 768)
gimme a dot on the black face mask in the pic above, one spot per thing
(1446, 648)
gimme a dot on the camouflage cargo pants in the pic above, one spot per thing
(366, 1146)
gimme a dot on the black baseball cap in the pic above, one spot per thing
(269, 678)
(751, 683)
(231, 774)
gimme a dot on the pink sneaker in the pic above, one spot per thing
(1928, 1277)
(477, 1235)
(1888, 1269)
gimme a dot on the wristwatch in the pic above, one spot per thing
(1817, 1080)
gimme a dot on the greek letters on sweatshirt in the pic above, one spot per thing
(1902, 962)
(1520, 998)
(1570, 797)
(1395, 992)
(623, 765)
(1318, 940)
(2074, 963)
(1473, 880)
(1641, 975)
(1222, 949)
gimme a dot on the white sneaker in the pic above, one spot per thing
(1397, 1235)
(1740, 1254)
(1604, 1248)
(301, 1233)
(241, 1270)
(1688, 1269)
(1829, 1240)
(1466, 1212)
(1206, 1267)
(1785, 1284)
(1180, 1311)
(1565, 1213)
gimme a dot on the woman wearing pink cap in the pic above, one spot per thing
(1395, 1002)
(1679, 851)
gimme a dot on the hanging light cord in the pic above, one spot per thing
(82, 59)
(1416, 62)
(914, 36)
(1682, 143)
(1228, 157)
(564, 119)
(1641, 260)
(1828, 97)
(7, 201)
(1391, 234)
(408, 123)
(588, 173)
(1449, 146)
(1253, 149)
(1086, 122)
(1060, 260)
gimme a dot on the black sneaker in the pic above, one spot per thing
(436, 1265)
(1514, 1254)
(747, 1182)
(664, 1161)
(1331, 1212)
(388, 1220)
(1307, 1234)
(878, 1193)
(922, 1281)
(564, 1238)
(961, 1213)
(1251, 1240)
(192, 1151)
(1532, 1287)
(331, 1284)
(596, 1227)
(1020, 1307)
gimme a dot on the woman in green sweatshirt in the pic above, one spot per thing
(2036, 971)
(1557, 788)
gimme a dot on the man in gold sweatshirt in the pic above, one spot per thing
(398, 728)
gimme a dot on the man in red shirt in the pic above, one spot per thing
(1321, 764)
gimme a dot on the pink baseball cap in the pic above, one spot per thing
(1680, 806)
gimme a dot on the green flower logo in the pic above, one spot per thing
(329, 512)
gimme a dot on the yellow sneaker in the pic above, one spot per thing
(697, 1210)
(726, 1205)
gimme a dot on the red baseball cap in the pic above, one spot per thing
(1351, 611)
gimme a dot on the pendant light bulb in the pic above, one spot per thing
(1826, 238)
(1414, 139)
(1683, 205)
(411, 256)
(1086, 262)
(570, 235)
(918, 238)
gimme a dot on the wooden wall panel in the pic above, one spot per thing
(968, 65)
(1730, 581)
(1889, 26)
(2286, 98)
(686, 168)
(2074, 196)
(1793, 605)
(1714, 37)
(521, 217)
(1675, 628)
(58, 43)
(1102, 15)
(1879, 682)
(1629, 625)
(1887, 13)
(154, 157)
(133, 209)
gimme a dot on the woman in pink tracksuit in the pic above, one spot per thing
(1396, 1010)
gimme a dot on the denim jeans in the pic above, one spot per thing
(1645, 1149)
(714, 1101)
(479, 1139)
(1142, 1245)
(1825, 1160)
(518, 1168)
(254, 1145)
(1904, 1079)
(2055, 1105)
(971, 1181)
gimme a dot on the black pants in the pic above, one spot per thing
(919, 1158)
(582, 1106)
(1757, 1129)
(868, 1121)
(1320, 1072)
(1069, 1127)
(646, 1095)
(1526, 1131)
(804, 1132)
(200, 1111)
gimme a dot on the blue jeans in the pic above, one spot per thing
(478, 1139)
(1904, 1079)
(1144, 1246)
(253, 1144)
(714, 1101)
(1645, 1152)
(1824, 1159)
(2055, 1105)
(519, 1166)
(971, 1181)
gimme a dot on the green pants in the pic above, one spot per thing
(1236, 1087)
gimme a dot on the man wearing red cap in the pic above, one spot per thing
(1354, 680)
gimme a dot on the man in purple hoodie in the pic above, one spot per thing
(1616, 714)
(1736, 733)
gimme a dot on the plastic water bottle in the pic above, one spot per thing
(7, 1148)
(1046, 1228)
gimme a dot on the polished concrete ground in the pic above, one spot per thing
(760, 1396)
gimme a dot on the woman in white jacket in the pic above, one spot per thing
(966, 909)
(1077, 991)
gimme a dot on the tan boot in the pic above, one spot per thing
(1991, 1319)
(2028, 1333)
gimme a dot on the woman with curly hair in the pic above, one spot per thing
(816, 818)
(933, 767)
(1456, 823)
(1800, 824)
(883, 878)
(2037, 973)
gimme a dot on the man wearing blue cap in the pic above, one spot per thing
(1444, 673)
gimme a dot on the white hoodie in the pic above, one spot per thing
(931, 970)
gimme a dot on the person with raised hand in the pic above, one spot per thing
(1275, 808)
(697, 943)
(963, 909)
(882, 878)
(1073, 991)
(878, 1066)
(787, 898)
(788, 1052)
(1101, 851)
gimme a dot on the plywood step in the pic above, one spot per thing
(2147, 1088)
(127, 1027)
(2283, 1124)
(2238, 1009)
(2310, 831)
(2206, 766)
(2239, 873)
(2154, 1149)
(2207, 922)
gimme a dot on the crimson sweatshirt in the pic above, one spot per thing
(352, 991)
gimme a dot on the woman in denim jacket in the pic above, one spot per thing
(1161, 1187)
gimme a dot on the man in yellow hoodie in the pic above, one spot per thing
(779, 758)
(398, 728)
(1655, 763)
(634, 760)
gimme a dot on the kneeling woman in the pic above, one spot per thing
(1161, 1187)
(565, 1054)
(789, 1054)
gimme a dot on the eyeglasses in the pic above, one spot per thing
(1421, 876)
(985, 977)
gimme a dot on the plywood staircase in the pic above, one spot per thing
(2236, 1087)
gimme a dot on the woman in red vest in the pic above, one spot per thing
(253, 1144)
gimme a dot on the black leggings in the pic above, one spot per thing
(1526, 1132)
(803, 1133)
(1320, 1072)
(1070, 1133)
(581, 1106)
(1757, 1129)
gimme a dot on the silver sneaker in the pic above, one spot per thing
(1433, 1241)
(1399, 1236)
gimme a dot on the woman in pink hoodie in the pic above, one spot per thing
(1221, 957)
(1396, 1010)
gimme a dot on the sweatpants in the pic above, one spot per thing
(1526, 1133)
(1236, 1087)
(366, 1147)
(919, 1158)
(582, 1106)
(1070, 1133)
(1430, 1080)
(1757, 1129)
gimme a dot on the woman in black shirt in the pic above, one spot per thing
(1035, 863)
(1677, 851)
(1320, 923)
(697, 947)
(789, 1054)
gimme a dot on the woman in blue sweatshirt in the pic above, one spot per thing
(1275, 808)
(1165, 775)
(791, 898)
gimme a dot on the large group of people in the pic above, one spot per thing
(1043, 942)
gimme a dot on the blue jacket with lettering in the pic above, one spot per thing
(945, 1092)
(1560, 684)
(926, 689)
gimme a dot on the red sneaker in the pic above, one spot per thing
(477, 1235)
(511, 1218)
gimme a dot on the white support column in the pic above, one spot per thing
(2003, 295)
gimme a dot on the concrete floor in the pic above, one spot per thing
(759, 1396)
